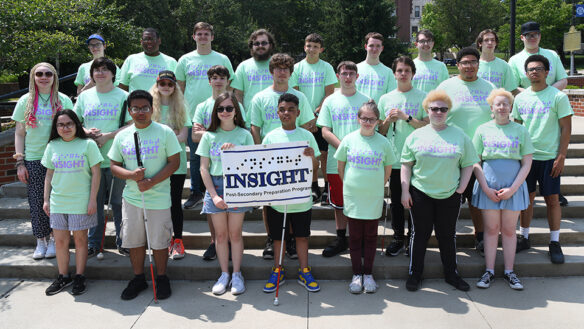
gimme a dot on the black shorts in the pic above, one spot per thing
(322, 144)
(468, 191)
(540, 173)
(300, 222)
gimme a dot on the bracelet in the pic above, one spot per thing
(19, 163)
(16, 155)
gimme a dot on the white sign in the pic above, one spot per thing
(274, 174)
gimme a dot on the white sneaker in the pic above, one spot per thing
(356, 285)
(369, 284)
(221, 285)
(237, 283)
(51, 251)
(41, 249)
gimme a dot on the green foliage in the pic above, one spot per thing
(4, 78)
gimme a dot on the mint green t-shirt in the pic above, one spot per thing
(375, 80)
(84, 74)
(438, 157)
(540, 112)
(101, 111)
(409, 102)
(182, 169)
(279, 135)
(37, 138)
(339, 113)
(157, 143)
(192, 68)
(205, 109)
(365, 159)
(469, 103)
(312, 78)
(429, 74)
(251, 77)
(556, 73)
(140, 71)
(510, 141)
(71, 183)
(499, 73)
(264, 110)
(211, 142)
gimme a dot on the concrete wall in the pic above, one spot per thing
(7, 169)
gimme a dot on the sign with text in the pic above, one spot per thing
(274, 174)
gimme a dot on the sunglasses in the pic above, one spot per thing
(164, 84)
(439, 109)
(229, 109)
(40, 74)
(263, 43)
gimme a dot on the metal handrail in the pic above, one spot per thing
(25, 90)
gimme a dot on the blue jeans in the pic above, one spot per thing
(105, 184)
(195, 161)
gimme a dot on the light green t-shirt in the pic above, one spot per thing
(469, 103)
(499, 73)
(251, 77)
(339, 113)
(279, 135)
(312, 78)
(37, 138)
(157, 143)
(182, 169)
(438, 157)
(540, 112)
(375, 80)
(84, 74)
(556, 73)
(101, 111)
(140, 71)
(71, 183)
(429, 74)
(365, 159)
(211, 142)
(264, 110)
(192, 68)
(510, 141)
(409, 102)
(205, 109)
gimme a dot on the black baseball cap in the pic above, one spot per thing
(530, 27)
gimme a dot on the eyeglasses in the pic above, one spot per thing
(165, 84)
(229, 109)
(68, 125)
(40, 74)
(136, 109)
(263, 43)
(531, 35)
(438, 109)
(101, 70)
(368, 120)
(425, 42)
(469, 63)
(348, 74)
(537, 69)
(95, 45)
(283, 110)
(281, 69)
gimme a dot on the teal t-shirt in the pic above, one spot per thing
(264, 110)
(279, 135)
(499, 73)
(84, 74)
(375, 80)
(157, 143)
(469, 103)
(540, 112)
(409, 102)
(312, 78)
(140, 71)
(429, 74)
(182, 169)
(71, 183)
(556, 73)
(192, 68)
(205, 109)
(101, 111)
(510, 141)
(339, 113)
(438, 157)
(37, 138)
(251, 77)
(211, 142)
(365, 159)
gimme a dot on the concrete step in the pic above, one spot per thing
(576, 150)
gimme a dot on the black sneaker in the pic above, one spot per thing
(395, 247)
(124, 251)
(413, 283)
(522, 243)
(210, 253)
(457, 282)
(91, 252)
(324, 197)
(555, 252)
(316, 194)
(79, 286)
(485, 280)
(135, 287)
(337, 247)
(563, 201)
(480, 247)
(269, 249)
(61, 283)
(513, 281)
(163, 287)
(291, 248)
(193, 200)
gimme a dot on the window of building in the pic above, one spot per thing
(417, 11)
(414, 29)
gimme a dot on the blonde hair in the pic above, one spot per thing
(176, 108)
(500, 92)
(32, 102)
(437, 95)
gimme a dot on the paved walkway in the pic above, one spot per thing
(545, 303)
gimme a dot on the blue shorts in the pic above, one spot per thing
(540, 173)
(209, 206)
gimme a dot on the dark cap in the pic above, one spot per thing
(166, 75)
(95, 36)
(530, 27)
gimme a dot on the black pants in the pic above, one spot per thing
(397, 210)
(438, 214)
(176, 211)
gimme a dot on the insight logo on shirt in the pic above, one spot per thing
(372, 80)
(215, 150)
(344, 115)
(493, 77)
(101, 111)
(67, 161)
(438, 149)
(199, 71)
(537, 110)
(408, 107)
(471, 97)
(257, 76)
(311, 78)
(271, 113)
(149, 69)
(368, 160)
(509, 144)
(426, 76)
(148, 149)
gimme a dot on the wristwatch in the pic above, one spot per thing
(409, 119)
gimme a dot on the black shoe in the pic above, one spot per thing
(563, 201)
(79, 286)
(457, 282)
(124, 251)
(91, 252)
(210, 253)
(324, 197)
(337, 247)
(413, 283)
(163, 287)
(291, 248)
(193, 200)
(555, 252)
(316, 194)
(522, 243)
(269, 249)
(395, 247)
(61, 283)
(135, 286)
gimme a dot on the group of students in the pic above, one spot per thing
(438, 140)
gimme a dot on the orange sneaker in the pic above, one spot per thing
(178, 249)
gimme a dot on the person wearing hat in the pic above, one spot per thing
(96, 45)
(531, 37)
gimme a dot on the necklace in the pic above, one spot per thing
(45, 101)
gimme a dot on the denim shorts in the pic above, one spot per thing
(209, 206)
